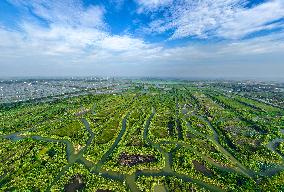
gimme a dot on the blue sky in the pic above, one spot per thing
(180, 38)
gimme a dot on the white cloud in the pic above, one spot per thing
(247, 21)
(91, 45)
(78, 40)
(64, 12)
(273, 43)
(123, 43)
(71, 26)
(153, 4)
(59, 39)
(229, 19)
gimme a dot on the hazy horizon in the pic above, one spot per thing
(267, 79)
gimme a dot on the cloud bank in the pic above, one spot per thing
(74, 39)
(229, 19)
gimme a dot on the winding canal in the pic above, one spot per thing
(130, 180)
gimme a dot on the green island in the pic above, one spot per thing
(166, 136)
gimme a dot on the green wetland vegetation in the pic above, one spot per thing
(172, 137)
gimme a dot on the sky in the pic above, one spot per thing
(154, 38)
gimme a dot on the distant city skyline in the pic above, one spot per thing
(232, 39)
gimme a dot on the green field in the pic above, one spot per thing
(178, 137)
